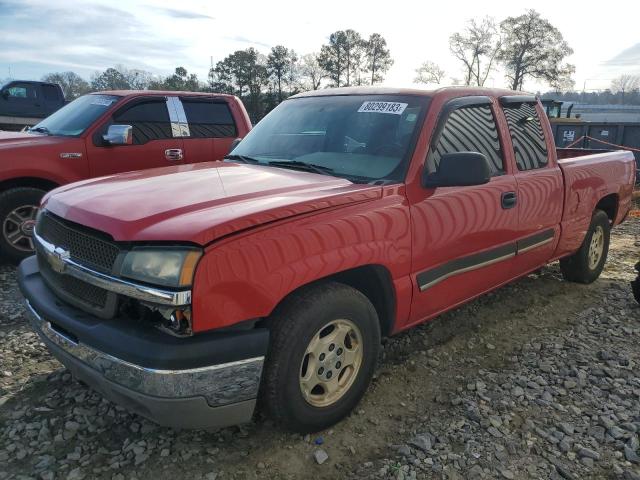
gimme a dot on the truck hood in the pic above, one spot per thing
(201, 202)
(23, 139)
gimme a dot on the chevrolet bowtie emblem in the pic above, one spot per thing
(57, 259)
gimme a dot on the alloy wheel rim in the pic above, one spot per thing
(331, 363)
(596, 247)
(17, 228)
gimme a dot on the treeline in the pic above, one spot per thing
(526, 47)
(624, 90)
(261, 81)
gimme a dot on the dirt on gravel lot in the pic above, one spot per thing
(535, 380)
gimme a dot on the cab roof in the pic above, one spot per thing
(151, 93)
(458, 91)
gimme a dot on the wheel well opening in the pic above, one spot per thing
(374, 281)
(609, 205)
(33, 182)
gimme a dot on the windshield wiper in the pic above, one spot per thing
(242, 158)
(298, 165)
(44, 130)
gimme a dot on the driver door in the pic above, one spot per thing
(153, 142)
(463, 237)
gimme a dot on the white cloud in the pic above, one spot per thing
(44, 35)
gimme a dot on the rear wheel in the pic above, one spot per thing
(586, 265)
(18, 209)
(322, 355)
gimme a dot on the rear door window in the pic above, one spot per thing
(527, 136)
(149, 119)
(209, 119)
(469, 129)
(50, 93)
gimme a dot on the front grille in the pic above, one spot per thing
(84, 247)
(88, 248)
(74, 290)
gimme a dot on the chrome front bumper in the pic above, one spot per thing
(61, 262)
(207, 397)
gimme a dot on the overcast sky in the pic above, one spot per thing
(41, 36)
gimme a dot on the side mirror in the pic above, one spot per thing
(4, 94)
(119, 135)
(459, 169)
(234, 144)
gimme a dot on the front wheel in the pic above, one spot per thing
(322, 355)
(18, 210)
(586, 265)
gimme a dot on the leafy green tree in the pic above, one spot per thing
(378, 57)
(533, 48)
(110, 79)
(243, 73)
(181, 80)
(332, 58)
(281, 65)
(72, 84)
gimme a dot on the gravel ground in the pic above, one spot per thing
(535, 380)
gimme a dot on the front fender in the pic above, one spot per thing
(246, 276)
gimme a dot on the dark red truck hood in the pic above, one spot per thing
(201, 202)
(24, 139)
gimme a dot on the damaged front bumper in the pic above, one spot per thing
(210, 380)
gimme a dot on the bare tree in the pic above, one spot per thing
(311, 72)
(532, 47)
(565, 82)
(429, 72)
(477, 48)
(72, 84)
(624, 84)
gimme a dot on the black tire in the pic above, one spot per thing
(577, 268)
(635, 284)
(293, 325)
(20, 199)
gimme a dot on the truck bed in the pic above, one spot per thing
(589, 178)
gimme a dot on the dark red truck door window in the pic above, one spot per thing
(211, 129)
(540, 185)
(463, 240)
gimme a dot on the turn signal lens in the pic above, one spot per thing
(189, 268)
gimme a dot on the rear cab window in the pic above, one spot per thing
(209, 118)
(527, 135)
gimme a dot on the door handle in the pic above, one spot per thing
(173, 154)
(509, 200)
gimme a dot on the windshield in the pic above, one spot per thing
(360, 137)
(74, 118)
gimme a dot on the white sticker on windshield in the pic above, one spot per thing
(394, 108)
(105, 102)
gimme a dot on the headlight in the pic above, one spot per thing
(165, 266)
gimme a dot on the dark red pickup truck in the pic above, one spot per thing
(186, 293)
(105, 133)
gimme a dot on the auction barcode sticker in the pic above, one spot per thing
(394, 108)
(103, 102)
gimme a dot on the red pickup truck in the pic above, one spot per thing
(105, 133)
(187, 293)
